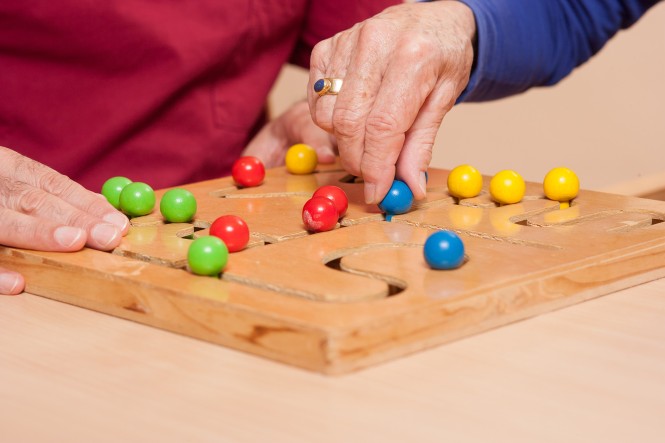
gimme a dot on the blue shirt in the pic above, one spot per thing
(525, 43)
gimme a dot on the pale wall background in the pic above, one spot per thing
(606, 121)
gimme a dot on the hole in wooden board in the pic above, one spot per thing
(351, 179)
(524, 221)
(191, 236)
(337, 265)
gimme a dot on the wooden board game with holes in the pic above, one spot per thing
(361, 294)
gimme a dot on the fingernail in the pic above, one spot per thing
(67, 236)
(118, 219)
(370, 193)
(8, 283)
(104, 234)
(423, 182)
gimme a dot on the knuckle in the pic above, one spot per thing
(8, 188)
(346, 37)
(22, 198)
(372, 29)
(416, 47)
(381, 124)
(373, 159)
(92, 203)
(347, 123)
(80, 219)
(56, 183)
(320, 54)
(72, 195)
(43, 177)
(29, 201)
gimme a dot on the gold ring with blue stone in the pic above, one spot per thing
(330, 86)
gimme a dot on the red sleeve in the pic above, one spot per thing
(325, 18)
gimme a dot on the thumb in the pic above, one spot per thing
(293, 126)
(11, 283)
(268, 145)
(300, 128)
(416, 154)
(324, 143)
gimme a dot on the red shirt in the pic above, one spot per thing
(165, 92)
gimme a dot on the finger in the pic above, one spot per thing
(22, 169)
(25, 199)
(319, 59)
(27, 232)
(321, 141)
(356, 98)
(11, 283)
(416, 153)
(408, 81)
(268, 145)
(293, 126)
(332, 61)
(300, 128)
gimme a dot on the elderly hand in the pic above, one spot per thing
(402, 70)
(293, 126)
(43, 210)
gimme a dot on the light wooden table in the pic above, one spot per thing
(591, 372)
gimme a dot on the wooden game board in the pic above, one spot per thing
(361, 294)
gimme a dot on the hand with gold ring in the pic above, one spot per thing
(384, 86)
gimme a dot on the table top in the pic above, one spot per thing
(591, 372)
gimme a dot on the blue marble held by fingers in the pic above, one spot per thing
(398, 200)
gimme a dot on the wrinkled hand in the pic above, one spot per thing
(43, 210)
(293, 126)
(403, 70)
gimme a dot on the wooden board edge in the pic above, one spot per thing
(215, 321)
(439, 323)
(332, 351)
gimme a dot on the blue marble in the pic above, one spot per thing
(444, 250)
(318, 86)
(398, 200)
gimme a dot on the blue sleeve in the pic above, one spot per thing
(525, 43)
